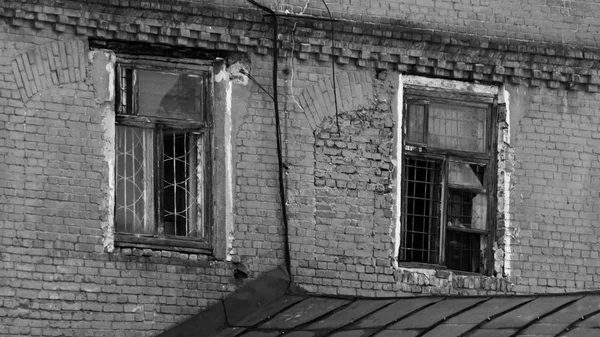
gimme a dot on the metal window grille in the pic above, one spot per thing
(182, 186)
(133, 172)
(159, 168)
(421, 210)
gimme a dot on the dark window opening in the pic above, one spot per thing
(421, 210)
(446, 183)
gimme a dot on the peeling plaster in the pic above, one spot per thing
(228, 173)
(222, 75)
(235, 73)
(101, 65)
(515, 98)
(397, 162)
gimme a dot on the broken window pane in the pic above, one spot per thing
(456, 127)
(416, 124)
(133, 197)
(171, 95)
(467, 200)
(467, 209)
(421, 200)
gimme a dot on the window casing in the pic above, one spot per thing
(448, 180)
(162, 154)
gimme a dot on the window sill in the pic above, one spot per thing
(167, 243)
(438, 268)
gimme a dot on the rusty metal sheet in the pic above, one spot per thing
(582, 332)
(261, 334)
(492, 333)
(354, 333)
(301, 334)
(303, 312)
(544, 329)
(573, 312)
(394, 311)
(449, 330)
(488, 309)
(591, 322)
(396, 333)
(529, 312)
(354, 311)
(261, 313)
(435, 313)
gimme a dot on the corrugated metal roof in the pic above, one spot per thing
(260, 310)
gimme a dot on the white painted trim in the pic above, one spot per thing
(228, 173)
(398, 165)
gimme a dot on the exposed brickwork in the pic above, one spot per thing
(450, 55)
(49, 65)
(354, 91)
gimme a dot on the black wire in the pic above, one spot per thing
(288, 263)
(243, 72)
(337, 120)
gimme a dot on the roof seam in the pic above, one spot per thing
(543, 316)
(358, 319)
(581, 319)
(434, 325)
(468, 332)
(268, 318)
(404, 316)
(327, 314)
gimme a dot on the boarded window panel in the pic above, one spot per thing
(171, 95)
(133, 168)
(416, 123)
(456, 127)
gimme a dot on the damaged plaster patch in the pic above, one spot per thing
(514, 103)
(101, 70)
(221, 76)
(396, 161)
(228, 173)
(236, 73)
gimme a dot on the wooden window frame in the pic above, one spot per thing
(159, 240)
(421, 150)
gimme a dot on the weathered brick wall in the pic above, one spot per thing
(561, 22)
(555, 192)
(59, 279)
(56, 277)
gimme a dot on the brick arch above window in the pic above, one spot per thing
(354, 91)
(49, 65)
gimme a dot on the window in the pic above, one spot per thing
(448, 179)
(162, 150)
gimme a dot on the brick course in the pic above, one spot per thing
(59, 280)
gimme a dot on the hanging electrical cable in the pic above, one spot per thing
(278, 138)
(337, 119)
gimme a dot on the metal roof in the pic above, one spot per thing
(300, 314)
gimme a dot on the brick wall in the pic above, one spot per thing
(61, 280)
(555, 192)
(562, 22)
(57, 279)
